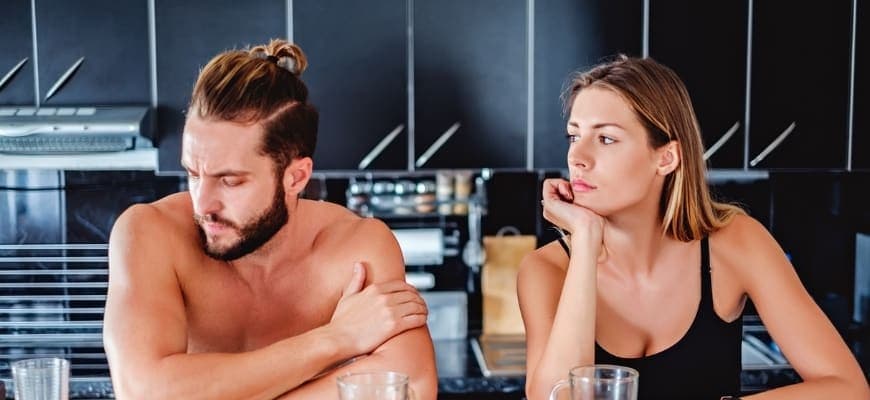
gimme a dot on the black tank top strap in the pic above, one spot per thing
(565, 246)
(706, 280)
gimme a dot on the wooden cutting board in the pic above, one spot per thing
(501, 310)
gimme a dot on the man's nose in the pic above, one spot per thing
(206, 198)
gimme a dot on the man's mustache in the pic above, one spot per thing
(214, 219)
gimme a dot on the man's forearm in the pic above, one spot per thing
(264, 373)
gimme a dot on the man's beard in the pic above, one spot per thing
(252, 235)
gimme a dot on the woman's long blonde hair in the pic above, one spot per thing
(661, 102)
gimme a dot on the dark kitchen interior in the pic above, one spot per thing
(786, 84)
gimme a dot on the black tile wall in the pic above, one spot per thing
(471, 70)
(573, 35)
(16, 41)
(189, 34)
(112, 36)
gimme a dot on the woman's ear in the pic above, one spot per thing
(296, 176)
(669, 157)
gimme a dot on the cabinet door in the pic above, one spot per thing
(861, 119)
(189, 34)
(470, 67)
(16, 44)
(705, 44)
(799, 83)
(357, 78)
(111, 35)
(572, 35)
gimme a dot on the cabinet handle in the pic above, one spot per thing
(776, 142)
(715, 147)
(12, 72)
(376, 151)
(63, 78)
(437, 144)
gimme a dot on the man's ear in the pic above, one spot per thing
(296, 175)
(669, 157)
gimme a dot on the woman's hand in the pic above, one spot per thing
(559, 208)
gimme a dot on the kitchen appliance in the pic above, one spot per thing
(72, 130)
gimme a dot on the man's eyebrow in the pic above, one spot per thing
(221, 173)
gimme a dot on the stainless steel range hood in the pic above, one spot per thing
(74, 130)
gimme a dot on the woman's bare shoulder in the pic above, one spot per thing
(549, 260)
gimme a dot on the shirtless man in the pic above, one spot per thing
(238, 289)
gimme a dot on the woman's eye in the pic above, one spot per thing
(606, 140)
(572, 138)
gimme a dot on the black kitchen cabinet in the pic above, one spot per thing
(357, 78)
(189, 34)
(861, 127)
(16, 44)
(705, 44)
(470, 67)
(570, 36)
(112, 36)
(800, 83)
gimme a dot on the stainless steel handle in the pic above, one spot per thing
(63, 78)
(41, 259)
(52, 324)
(59, 272)
(71, 297)
(719, 143)
(25, 130)
(773, 145)
(8, 77)
(52, 285)
(437, 144)
(376, 151)
(56, 310)
(59, 246)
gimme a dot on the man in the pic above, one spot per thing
(238, 289)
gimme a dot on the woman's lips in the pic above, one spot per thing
(581, 186)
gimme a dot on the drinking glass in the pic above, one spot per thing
(373, 386)
(41, 379)
(599, 382)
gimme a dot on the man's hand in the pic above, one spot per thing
(366, 318)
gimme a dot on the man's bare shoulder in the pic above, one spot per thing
(347, 237)
(165, 222)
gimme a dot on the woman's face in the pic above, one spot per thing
(611, 163)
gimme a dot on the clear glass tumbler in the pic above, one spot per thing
(41, 379)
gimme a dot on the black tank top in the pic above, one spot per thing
(704, 364)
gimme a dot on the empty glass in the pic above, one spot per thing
(373, 386)
(41, 379)
(599, 382)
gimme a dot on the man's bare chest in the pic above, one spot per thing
(228, 315)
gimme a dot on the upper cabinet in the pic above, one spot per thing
(357, 79)
(98, 57)
(799, 84)
(569, 36)
(189, 34)
(470, 67)
(705, 44)
(16, 54)
(861, 117)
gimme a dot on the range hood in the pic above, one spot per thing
(74, 130)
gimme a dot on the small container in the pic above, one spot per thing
(424, 202)
(444, 191)
(461, 191)
(405, 191)
(383, 196)
(358, 196)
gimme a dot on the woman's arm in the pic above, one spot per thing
(558, 306)
(803, 332)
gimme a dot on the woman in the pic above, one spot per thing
(655, 274)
